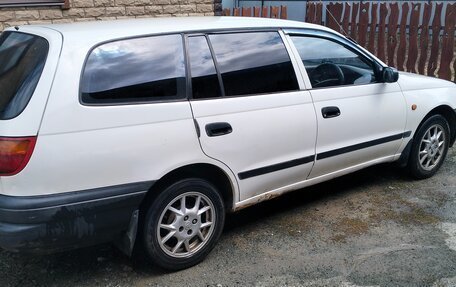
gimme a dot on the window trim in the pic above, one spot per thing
(64, 4)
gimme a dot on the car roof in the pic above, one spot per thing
(101, 31)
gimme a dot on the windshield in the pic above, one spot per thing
(22, 58)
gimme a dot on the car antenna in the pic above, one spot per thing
(338, 24)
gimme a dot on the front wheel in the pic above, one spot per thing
(183, 224)
(430, 147)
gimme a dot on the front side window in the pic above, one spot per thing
(331, 64)
(135, 70)
(22, 59)
(253, 63)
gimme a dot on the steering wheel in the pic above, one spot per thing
(327, 74)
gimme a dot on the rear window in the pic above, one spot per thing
(134, 71)
(22, 59)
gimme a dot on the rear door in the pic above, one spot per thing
(251, 109)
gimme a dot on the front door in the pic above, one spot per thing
(360, 119)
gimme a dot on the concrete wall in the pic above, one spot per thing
(91, 10)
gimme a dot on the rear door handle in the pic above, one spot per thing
(330, 112)
(218, 129)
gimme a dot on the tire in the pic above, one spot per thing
(175, 237)
(429, 151)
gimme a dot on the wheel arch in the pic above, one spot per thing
(212, 173)
(448, 113)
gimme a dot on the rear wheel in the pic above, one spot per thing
(183, 224)
(430, 147)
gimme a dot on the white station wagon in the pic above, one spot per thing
(146, 132)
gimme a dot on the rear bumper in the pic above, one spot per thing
(49, 223)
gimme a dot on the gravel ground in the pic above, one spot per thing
(376, 227)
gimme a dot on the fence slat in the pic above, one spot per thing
(226, 12)
(274, 12)
(283, 12)
(402, 37)
(363, 23)
(310, 12)
(353, 30)
(264, 12)
(424, 38)
(432, 65)
(413, 38)
(381, 32)
(246, 11)
(318, 13)
(448, 42)
(256, 11)
(346, 18)
(333, 15)
(392, 32)
(373, 28)
(236, 12)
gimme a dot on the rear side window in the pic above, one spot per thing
(22, 59)
(253, 63)
(135, 70)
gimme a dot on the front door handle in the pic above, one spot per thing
(218, 129)
(330, 112)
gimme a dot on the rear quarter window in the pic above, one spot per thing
(135, 71)
(22, 59)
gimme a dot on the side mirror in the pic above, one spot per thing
(390, 75)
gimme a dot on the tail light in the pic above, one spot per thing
(15, 154)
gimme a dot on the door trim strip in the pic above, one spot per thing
(275, 167)
(323, 155)
(362, 145)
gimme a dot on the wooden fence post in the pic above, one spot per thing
(424, 38)
(256, 11)
(381, 32)
(264, 13)
(363, 23)
(283, 12)
(246, 12)
(392, 33)
(448, 42)
(402, 38)
(310, 13)
(412, 58)
(318, 13)
(274, 12)
(436, 26)
(373, 28)
(333, 15)
(354, 28)
(346, 19)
